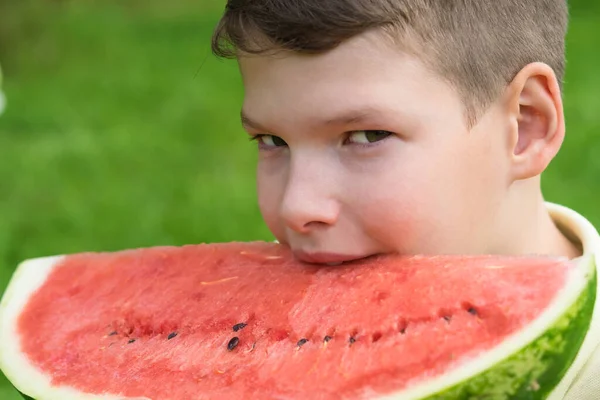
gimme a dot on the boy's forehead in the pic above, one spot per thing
(360, 81)
(361, 50)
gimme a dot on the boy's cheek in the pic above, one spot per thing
(399, 225)
(269, 201)
(423, 216)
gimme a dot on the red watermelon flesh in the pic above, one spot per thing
(162, 323)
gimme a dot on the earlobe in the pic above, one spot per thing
(539, 129)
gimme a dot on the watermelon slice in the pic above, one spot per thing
(247, 321)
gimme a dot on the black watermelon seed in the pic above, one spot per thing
(351, 340)
(239, 326)
(402, 326)
(113, 333)
(171, 335)
(301, 342)
(327, 339)
(472, 311)
(447, 318)
(131, 341)
(233, 343)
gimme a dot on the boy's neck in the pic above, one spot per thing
(558, 244)
(528, 225)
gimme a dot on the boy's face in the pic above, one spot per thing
(365, 151)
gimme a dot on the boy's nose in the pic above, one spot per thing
(309, 201)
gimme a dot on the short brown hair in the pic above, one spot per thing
(478, 46)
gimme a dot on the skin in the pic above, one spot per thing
(363, 151)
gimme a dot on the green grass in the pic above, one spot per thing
(122, 131)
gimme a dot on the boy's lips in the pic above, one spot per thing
(326, 258)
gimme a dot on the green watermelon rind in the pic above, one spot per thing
(533, 369)
(25, 396)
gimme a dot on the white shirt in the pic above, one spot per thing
(582, 381)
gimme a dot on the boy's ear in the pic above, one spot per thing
(537, 127)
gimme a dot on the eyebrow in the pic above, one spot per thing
(349, 117)
(354, 117)
(249, 123)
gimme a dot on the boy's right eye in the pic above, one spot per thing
(269, 141)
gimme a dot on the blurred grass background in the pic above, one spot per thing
(123, 131)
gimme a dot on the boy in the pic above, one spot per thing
(410, 126)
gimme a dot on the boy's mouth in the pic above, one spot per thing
(326, 258)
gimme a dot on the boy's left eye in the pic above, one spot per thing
(366, 137)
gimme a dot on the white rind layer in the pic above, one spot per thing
(563, 301)
(579, 229)
(28, 277)
(31, 274)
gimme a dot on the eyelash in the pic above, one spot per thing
(256, 137)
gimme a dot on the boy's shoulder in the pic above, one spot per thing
(582, 381)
